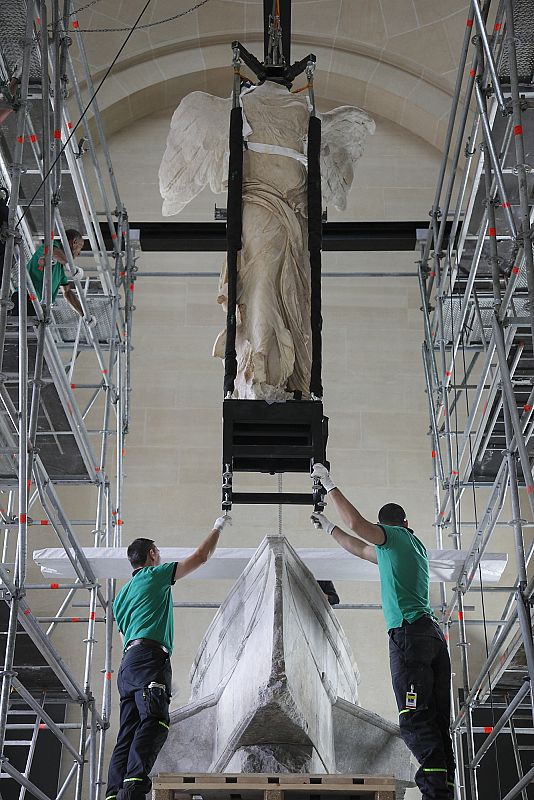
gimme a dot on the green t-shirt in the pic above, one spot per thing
(143, 607)
(404, 576)
(36, 266)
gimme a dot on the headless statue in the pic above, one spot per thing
(273, 335)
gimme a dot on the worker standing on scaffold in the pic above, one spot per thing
(61, 275)
(144, 616)
(419, 658)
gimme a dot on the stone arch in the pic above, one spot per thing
(398, 91)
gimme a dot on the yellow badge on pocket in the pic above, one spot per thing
(411, 699)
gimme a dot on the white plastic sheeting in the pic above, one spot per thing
(229, 562)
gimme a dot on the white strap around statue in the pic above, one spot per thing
(259, 147)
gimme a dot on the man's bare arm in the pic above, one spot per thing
(203, 551)
(59, 255)
(354, 546)
(349, 543)
(72, 299)
(354, 520)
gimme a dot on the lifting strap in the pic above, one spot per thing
(234, 224)
(315, 229)
(274, 149)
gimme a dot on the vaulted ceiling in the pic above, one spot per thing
(395, 58)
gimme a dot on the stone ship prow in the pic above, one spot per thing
(275, 685)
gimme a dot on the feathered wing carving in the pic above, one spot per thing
(343, 136)
(197, 151)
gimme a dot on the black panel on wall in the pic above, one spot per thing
(37, 677)
(197, 237)
(497, 773)
(44, 772)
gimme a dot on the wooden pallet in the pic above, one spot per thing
(254, 786)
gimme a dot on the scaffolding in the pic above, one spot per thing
(58, 434)
(477, 287)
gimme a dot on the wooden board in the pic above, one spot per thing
(247, 786)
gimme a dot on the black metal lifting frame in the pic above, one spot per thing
(275, 438)
(258, 436)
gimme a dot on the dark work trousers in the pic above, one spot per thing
(420, 666)
(30, 309)
(144, 720)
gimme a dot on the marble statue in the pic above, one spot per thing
(273, 339)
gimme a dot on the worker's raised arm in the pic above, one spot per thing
(350, 515)
(203, 551)
(59, 255)
(349, 543)
(70, 296)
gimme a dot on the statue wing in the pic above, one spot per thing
(197, 150)
(343, 137)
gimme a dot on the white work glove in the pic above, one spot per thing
(220, 522)
(76, 273)
(90, 321)
(321, 472)
(321, 522)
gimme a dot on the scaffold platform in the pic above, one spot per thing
(477, 290)
(64, 399)
(58, 427)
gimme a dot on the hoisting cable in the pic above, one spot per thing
(147, 25)
(83, 8)
(456, 477)
(482, 597)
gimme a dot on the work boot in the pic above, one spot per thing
(135, 790)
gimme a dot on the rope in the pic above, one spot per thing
(482, 597)
(142, 27)
(475, 510)
(302, 89)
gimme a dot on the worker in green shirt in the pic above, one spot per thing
(419, 657)
(61, 277)
(144, 615)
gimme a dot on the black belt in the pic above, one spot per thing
(148, 643)
(422, 617)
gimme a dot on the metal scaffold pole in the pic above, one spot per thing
(520, 166)
(478, 299)
(44, 340)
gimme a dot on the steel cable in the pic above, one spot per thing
(84, 8)
(144, 27)
(482, 596)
